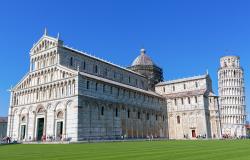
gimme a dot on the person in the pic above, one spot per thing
(8, 140)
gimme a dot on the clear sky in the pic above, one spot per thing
(184, 37)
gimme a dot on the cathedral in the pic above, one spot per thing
(70, 95)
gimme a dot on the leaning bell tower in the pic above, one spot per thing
(232, 97)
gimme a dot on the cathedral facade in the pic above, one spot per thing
(70, 95)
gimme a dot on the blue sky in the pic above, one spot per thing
(184, 37)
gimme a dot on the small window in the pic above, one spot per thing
(129, 79)
(84, 65)
(178, 119)
(96, 69)
(116, 112)
(184, 86)
(111, 90)
(105, 72)
(175, 101)
(189, 100)
(87, 84)
(196, 100)
(164, 90)
(156, 117)
(118, 92)
(96, 86)
(173, 88)
(128, 113)
(103, 88)
(71, 61)
(182, 102)
(102, 111)
(147, 116)
(196, 84)
(139, 115)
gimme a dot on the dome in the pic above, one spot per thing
(142, 59)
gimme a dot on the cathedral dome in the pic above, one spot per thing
(142, 59)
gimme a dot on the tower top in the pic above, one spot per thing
(143, 51)
(229, 61)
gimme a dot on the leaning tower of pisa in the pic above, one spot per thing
(232, 97)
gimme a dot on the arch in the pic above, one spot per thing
(40, 109)
(59, 114)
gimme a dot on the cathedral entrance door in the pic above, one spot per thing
(193, 134)
(59, 130)
(40, 128)
(23, 131)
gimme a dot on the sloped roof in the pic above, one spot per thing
(186, 93)
(182, 80)
(121, 84)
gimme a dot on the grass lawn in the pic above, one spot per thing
(166, 150)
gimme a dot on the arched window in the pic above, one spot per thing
(178, 119)
(40, 110)
(60, 115)
(23, 120)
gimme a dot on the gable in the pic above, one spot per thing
(23, 83)
(44, 43)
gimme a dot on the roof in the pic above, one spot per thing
(182, 80)
(3, 119)
(121, 84)
(102, 60)
(186, 94)
(143, 59)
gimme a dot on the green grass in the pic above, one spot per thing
(157, 150)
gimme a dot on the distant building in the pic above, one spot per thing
(3, 126)
(193, 109)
